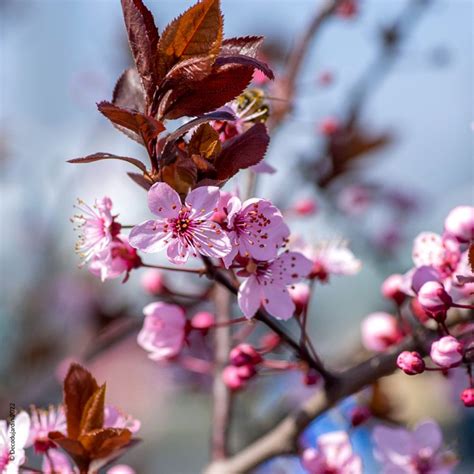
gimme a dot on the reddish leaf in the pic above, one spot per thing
(107, 156)
(79, 386)
(180, 175)
(140, 180)
(128, 92)
(73, 448)
(246, 45)
(192, 69)
(101, 443)
(245, 61)
(242, 151)
(196, 98)
(93, 415)
(143, 39)
(204, 143)
(197, 32)
(471, 257)
(142, 125)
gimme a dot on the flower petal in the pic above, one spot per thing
(249, 297)
(149, 236)
(203, 201)
(290, 267)
(163, 200)
(277, 301)
(210, 240)
(178, 252)
(428, 436)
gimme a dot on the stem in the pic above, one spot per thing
(199, 271)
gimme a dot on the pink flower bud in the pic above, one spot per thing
(460, 223)
(418, 310)
(202, 320)
(305, 207)
(446, 352)
(244, 354)
(411, 363)
(246, 372)
(121, 469)
(153, 282)
(329, 126)
(434, 298)
(230, 376)
(347, 8)
(392, 288)
(311, 377)
(360, 415)
(300, 294)
(467, 397)
(380, 331)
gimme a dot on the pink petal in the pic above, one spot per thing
(249, 297)
(336, 448)
(234, 205)
(177, 252)
(278, 302)
(428, 436)
(203, 201)
(212, 240)
(149, 236)
(163, 200)
(290, 267)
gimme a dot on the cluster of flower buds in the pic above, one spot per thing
(244, 360)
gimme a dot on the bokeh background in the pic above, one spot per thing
(59, 57)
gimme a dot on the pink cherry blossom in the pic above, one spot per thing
(97, 225)
(183, 229)
(231, 377)
(263, 168)
(203, 320)
(255, 228)
(379, 331)
(446, 352)
(153, 282)
(411, 363)
(118, 258)
(163, 330)
(300, 294)
(460, 223)
(333, 454)
(42, 422)
(10, 462)
(401, 451)
(267, 284)
(121, 469)
(56, 462)
(392, 288)
(115, 418)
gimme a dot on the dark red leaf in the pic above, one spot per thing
(246, 45)
(205, 143)
(107, 156)
(140, 180)
(198, 97)
(103, 442)
(245, 61)
(128, 92)
(242, 151)
(79, 386)
(197, 32)
(93, 415)
(471, 257)
(143, 39)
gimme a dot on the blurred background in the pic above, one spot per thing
(399, 72)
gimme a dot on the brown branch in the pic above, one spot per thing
(283, 439)
(222, 397)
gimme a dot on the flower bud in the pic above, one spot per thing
(467, 397)
(360, 415)
(380, 331)
(434, 298)
(329, 126)
(300, 294)
(411, 363)
(419, 311)
(231, 378)
(392, 288)
(121, 469)
(460, 223)
(246, 372)
(311, 377)
(153, 282)
(305, 207)
(446, 352)
(244, 354)
(202, 320)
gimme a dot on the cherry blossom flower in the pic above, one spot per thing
(401, 451)
(300, 294)
(97, 225)
(446, 352)
(183, 229)
(42, 422)
(255, 228)
(56, 462)
(460, 223)
(115, 418)
(433, 297)
(392, 288)
(380, 331)
(10, 461)
(411, 363)
(118, 258)
(333, 454)
(121, 469)
(305, 207)
(330, 258)
(163, 330)
(267, 284)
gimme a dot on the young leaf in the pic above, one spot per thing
(144, 126)
(196, 98)
(79, 386)
(246, 45)
(197, 32)
(143, 39)
(101, 443)
(93, 415)
(140, 180)
(205, 142)
(107, 156)
(245, 61)
(242, 151)
(128, 92)
(181, 175)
